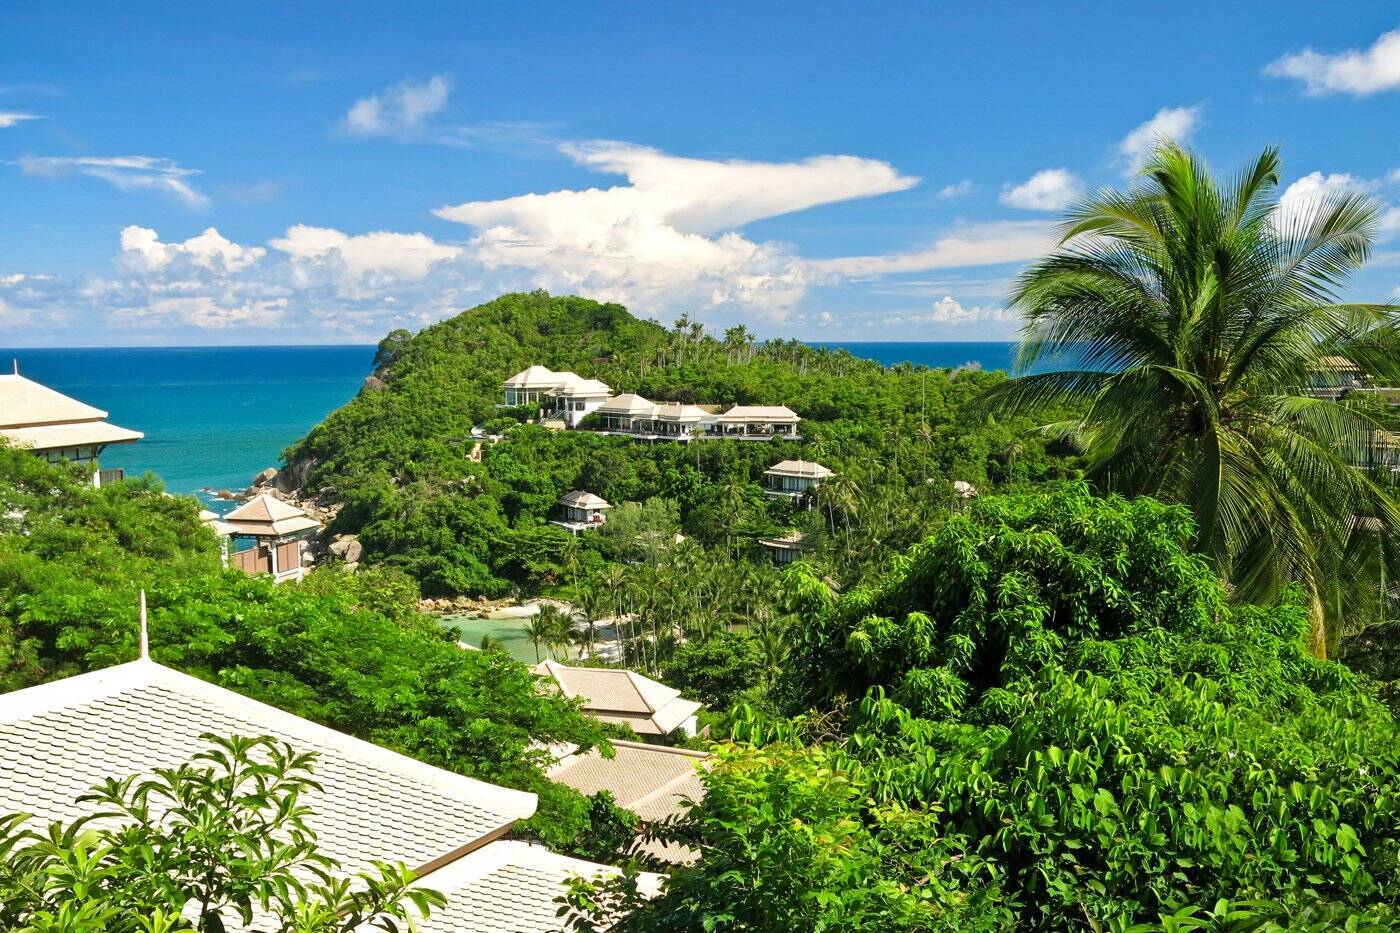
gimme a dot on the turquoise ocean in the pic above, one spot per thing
(215, 416)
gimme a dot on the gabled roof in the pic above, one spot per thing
(35, 416)
(268, 516)
(60, 738)
(1337, 364)
(740, 414)
(628, 404)
(653, 781)
(684, 414)
(25, 402)
(648, 706)
(510, 887)
(584, 500)
(792, 541)
(578, 387)
(536, 377)
(805, 469)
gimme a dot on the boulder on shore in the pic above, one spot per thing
(264, 477)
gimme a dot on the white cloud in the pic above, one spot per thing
(948, 310)
(142, 251)
(948, 318)
(956, 190)
(1175, 124)
(1358, 72)
(9, 118)
(1315, 186)
(978, 245)
(127, 173)
(397, 110)
(1052, 189)
(669, 236)
(206, 312)
(381, 256)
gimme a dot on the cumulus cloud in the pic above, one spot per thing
(1052, 189)
(397, 110)
(1175, 124)
(142, 251)
(977, 245)
(1315, 187)
(670, 234)
(127, 173)
(1359, 72)
(9, 118)
(948, 318)
(355, 263)
(956, 190)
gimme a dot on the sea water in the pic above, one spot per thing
(215, 416)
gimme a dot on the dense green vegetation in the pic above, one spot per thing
(398, 458)
(347, 650)
(1047, 715)
(225, 835)
(1201, 313)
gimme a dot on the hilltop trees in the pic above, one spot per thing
(1047, 714)
(1200, 311)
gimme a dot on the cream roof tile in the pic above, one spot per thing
(59, 739)
(266, 515)
(584, 500)
(648, 706)
(536, 377)
(25, 402)
(807, 469)
(628, 404)
(510, 887)
(745, 413)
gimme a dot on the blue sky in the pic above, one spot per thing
(290, 173)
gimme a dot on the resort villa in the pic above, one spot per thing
(651, 708)
(266, 535)
(793, 479)
(784, 549)
(569, 396)
(653, 781)
(572, 398)
(57, 427)
(368, 805)
(582, 511)
(1336, 376)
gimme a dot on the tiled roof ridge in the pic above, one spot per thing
(20, 705)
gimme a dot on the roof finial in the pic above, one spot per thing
(16, 361)
(145, 636)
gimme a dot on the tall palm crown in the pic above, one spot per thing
(1199, 314)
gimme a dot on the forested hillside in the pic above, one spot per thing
(347, 650)
(397, 458)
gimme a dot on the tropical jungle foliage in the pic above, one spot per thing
(1047, 715)
(461, 514)
(1203, 316)
(347, 650)
(225, 835)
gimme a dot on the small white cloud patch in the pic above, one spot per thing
(1358, 72)
(1170, 124)
(126, 173)
(397, 110)
(1052, 189)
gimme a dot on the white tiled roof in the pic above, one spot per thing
(265, 514)
(741, 414)
(803, 468)
(536, 377)
(578, 387)
(682, 413)
(25, 402)
(793, 540)
(509, 887)
(628, 404)
(59, 739)
(35, 416)
(648, 706)
(584, 500)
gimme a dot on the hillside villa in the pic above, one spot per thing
(57, 427)
(786, 548)
(793, 479)
(651, 708)
(653, 781)
(368, 805)
(1336, 376)
(582, 511)
(572, 398)
(265, 535)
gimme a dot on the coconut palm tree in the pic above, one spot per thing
(539, 629)
(1199, 311)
